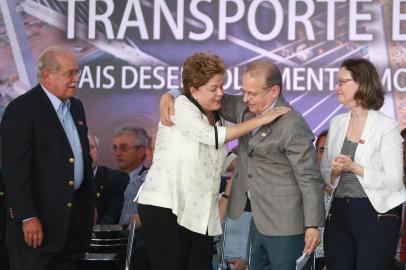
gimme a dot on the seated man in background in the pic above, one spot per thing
(130, 208)
(110, 185)
(320, 146)
(130, 147)
(235, 234)
(139, 258)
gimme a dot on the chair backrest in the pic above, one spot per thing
(109, 239)
(107, 248)
(130, 243)
(234, 242)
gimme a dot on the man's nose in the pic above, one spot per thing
(244, 97)
(75, 77)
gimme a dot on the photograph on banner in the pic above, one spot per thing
(131, 51)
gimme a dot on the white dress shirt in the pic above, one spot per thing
(186, 169)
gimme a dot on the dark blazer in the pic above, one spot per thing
(38, 169)
(2, 210)
(110, 186)
(4, 256)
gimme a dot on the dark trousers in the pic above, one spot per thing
(4, 257)
(171, 246)
(139, 259)
(30, 258)
(275, 252)
(358, 237)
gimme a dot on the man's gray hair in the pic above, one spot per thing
(140, 135)
(265, 67)
(47, 59)
(94, 137)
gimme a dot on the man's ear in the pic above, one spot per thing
(143, 149)
(276, 90)
(44, 74)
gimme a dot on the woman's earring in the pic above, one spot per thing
(195, 97)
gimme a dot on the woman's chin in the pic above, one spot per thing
(216, 106)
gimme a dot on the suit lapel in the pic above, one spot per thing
(246, 116)
(261, 134)
(79, 123)
(265, 130)
(341, 133)
(81, 127)
(98, 178)
(49, 114)
(366, 135)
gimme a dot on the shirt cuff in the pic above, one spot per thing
(221, 135)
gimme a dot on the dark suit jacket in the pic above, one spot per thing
(38, 169)
(4, 257)
(110, 186)
(2, 210)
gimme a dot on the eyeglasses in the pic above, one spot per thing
(343, 81)
(71, 73)
(123, 148)
(254, 95)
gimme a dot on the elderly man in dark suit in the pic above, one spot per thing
(276, 171)
(110, 186)
(47, 170)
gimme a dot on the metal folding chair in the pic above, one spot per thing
(249, 249)
(130, 243)
(222, 264)
(107, 249)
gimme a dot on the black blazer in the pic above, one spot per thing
(38, 169)
(110, 186)
(2, 210)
